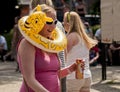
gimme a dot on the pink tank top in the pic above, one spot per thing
(46, 71)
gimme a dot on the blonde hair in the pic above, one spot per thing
(47, 9)
(76, 25)
(34, 3)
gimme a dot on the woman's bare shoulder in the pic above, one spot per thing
(72, 34)
(73, 37)
(25, 45)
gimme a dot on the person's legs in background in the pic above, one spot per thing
(63, 84)
(2, 53)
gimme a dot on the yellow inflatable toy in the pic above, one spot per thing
(31, 25)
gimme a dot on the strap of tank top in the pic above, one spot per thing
(18, 43)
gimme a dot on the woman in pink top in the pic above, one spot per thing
(40, 69)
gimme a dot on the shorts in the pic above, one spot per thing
(76, 85)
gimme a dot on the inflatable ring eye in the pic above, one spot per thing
(49, 23)
(31, 25)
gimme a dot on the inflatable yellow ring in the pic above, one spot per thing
(31, 25)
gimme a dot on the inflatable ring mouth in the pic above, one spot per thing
(31, 25)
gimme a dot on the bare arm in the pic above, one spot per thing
(27, 56)
(95, 58)
(114, 48)
(67, 70)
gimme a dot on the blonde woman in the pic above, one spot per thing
(78, 46)
(50, 12)
(40, 69)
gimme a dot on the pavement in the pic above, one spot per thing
(10, 81)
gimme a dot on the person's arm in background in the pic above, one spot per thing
(96, 52)
(14, 37)
(112, 47)
(95, 58)
(26, 52)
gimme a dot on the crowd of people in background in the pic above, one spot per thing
(60, 9)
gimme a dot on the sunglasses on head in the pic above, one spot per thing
(50, 23)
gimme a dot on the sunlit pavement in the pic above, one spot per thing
(10, 80)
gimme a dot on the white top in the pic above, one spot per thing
(3, 41)
(79, 51)
(98, 34)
